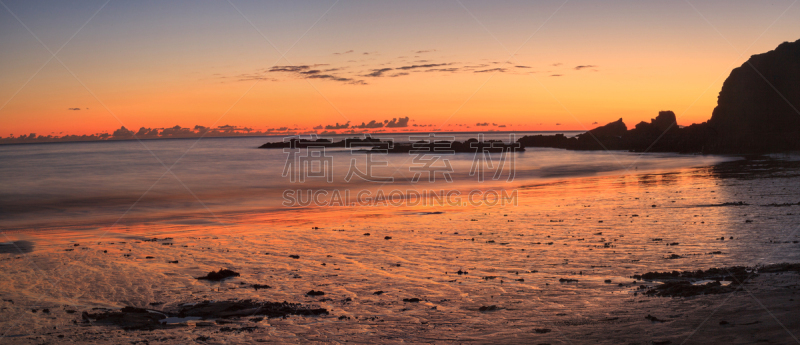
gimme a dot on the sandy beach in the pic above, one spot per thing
(557, 268)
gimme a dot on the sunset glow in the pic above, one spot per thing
(549, 65)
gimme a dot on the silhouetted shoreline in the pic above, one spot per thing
(757, 112)
(375, 145)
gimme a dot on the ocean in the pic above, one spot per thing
(101, 184)
(95, 227)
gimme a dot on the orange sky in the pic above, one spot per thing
(205, 64)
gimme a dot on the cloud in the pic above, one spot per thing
(319, 127)
(520, 66)
(378, 72)
(423, 66)
(289, 68)
(398, 123)
(347, 52)
(594, 123)
(73, 108)
(492, 70)
(305, 72)
(399, 74)
(424, 51)
(333, 77)
(578, 68)
(556, 64)
(248, 77)
(338, 126)
(485, 124)
(555, 75)
(371, 124)
(451, 69)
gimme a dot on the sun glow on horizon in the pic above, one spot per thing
(303, 67)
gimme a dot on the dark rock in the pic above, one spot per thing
(488, 308)
(687, 289)
(219, 275)
(379, 292)
(541, 330)
(294, 256)
(248, 329)
(564, 280)
(261, 286)
(378, 145)
(246, 308)
(758, 111)
(411, 300)
(129, 318)
(315, 293)
(654, 319)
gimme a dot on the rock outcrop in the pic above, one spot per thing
(758, 111)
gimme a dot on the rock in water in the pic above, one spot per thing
(219, 275)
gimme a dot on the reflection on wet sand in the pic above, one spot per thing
(558, 267)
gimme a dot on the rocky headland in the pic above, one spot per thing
(757, 112)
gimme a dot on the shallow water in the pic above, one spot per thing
(590, 229)
(98, 184)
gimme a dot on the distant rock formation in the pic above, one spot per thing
(757, 112)
(375, 145)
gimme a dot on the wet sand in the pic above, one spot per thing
(557, 268)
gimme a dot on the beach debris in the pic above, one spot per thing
(294, 256)
(315, 293)
(411, 300)
(379, 292)
(387, 238)
(685, 288)
(654, 319)
(261, 286)
(567, 280)
(488, 308)
(219, 275)
(541, 330)
(132, 318)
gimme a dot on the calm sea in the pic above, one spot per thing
(96, 184)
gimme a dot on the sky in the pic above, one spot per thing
(524, 65)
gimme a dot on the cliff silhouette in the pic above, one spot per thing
(757, 112)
